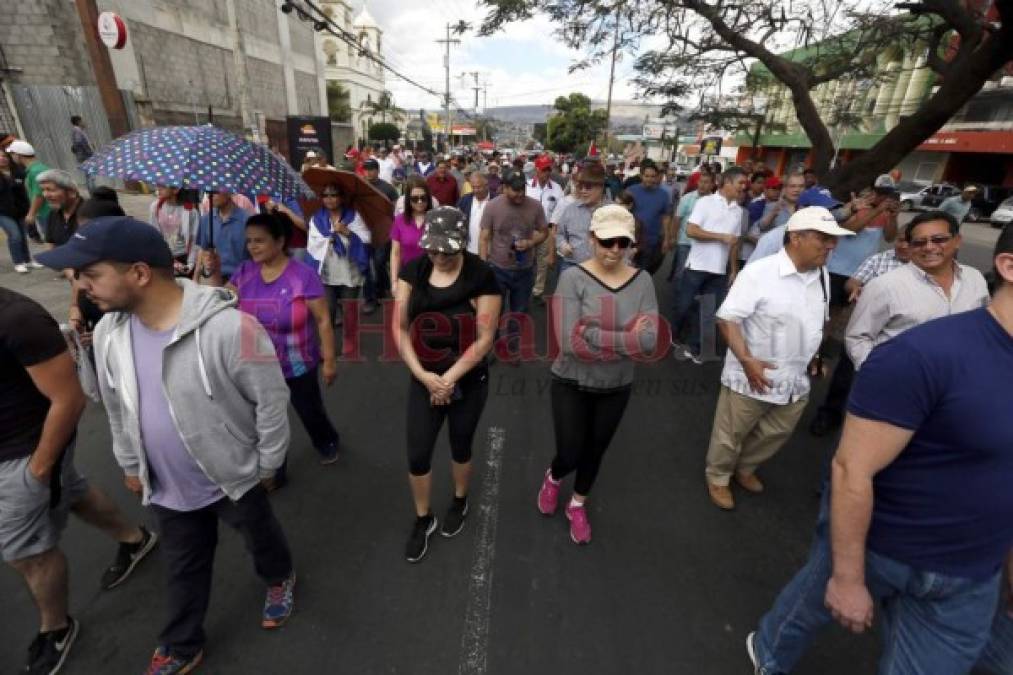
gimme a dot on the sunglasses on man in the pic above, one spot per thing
(936, 240)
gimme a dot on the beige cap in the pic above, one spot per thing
(970, 188)
(612, 221)
(816, 218)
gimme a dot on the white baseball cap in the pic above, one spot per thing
(612, 221)
(21, 148)
(818, 219)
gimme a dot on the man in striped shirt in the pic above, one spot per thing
(878, 265)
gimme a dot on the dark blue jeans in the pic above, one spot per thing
(516, 287)
(17, 242)
(931, 623)
(700, 294)
(377, 282)
(998, 655)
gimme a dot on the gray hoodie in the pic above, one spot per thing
(225, 389)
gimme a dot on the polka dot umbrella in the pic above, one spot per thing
(199, 157)
(202, 157)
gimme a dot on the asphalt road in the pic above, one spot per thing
(670, 584)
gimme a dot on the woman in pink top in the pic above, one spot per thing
(408, 226)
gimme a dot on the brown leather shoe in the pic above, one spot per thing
(749, 482)
(721, 495)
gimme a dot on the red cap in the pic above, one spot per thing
(772, 183)
(543, 162)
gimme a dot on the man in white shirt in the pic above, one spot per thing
(773, 321)
(931, 286)
(387, 166)
(549, 194)
(472, 205)
(713, 227)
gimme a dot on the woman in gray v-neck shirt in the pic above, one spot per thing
(607, 318)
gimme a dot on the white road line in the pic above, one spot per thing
(475, 637)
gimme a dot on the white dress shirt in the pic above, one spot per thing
(716, 214)
(475, 223)
(782, 313)
(904, 298)
(548, 195)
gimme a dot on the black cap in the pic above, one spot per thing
(517, 181)
(115, 239)
(371, 164)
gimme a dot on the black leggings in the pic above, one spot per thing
(309, 406)
(585, 422)
(424, 421)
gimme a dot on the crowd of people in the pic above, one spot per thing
(222, 314)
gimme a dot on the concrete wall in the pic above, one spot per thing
(44, 39)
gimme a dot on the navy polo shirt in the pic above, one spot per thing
(650, 206)
(945, 505)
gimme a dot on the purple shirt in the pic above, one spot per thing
(177, 481)
(281, 308)
(405, 232)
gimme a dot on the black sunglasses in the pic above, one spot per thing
(417, 198)
(325, 195)
(611, 242)
(936, 239)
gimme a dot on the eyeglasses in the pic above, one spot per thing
(330, 194)
(418, 199)
(937, 240)
(611, 242)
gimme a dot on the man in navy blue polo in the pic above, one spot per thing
(227, 247)
(920, 519)
(652, 204)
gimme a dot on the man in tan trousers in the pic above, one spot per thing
(773, 320)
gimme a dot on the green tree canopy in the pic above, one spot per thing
(574, 124)
(338, 106)
(384, 131)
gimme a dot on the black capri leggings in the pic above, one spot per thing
(424, 421)
(585, 422)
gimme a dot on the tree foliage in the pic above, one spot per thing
(338, 106)
(384, 108)
(695, 48)
(384, 131)
(574, 124)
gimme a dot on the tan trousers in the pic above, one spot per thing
(542, 265)
(747, 433)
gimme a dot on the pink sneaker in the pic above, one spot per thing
(548, 495)
(580, 528)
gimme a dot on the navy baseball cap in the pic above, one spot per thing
(817, 196)
(114, 239)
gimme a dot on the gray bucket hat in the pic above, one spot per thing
(445, 231)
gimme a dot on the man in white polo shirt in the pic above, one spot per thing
(773, 321)
(713, 227)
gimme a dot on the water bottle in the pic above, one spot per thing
(519, 256)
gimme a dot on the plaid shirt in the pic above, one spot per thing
(876, 265)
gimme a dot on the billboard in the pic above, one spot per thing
(306, 133)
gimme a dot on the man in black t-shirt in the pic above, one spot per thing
(40, 404)
(60, 192)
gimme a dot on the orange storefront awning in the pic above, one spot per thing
(998, 142)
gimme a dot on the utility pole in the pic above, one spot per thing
(446, 66)
(612, 77)
(477, 87)
(102, 66)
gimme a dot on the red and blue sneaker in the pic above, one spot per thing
(164, 662)
(279, 603)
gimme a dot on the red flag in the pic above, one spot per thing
(592, 150)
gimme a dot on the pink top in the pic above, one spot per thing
(405, 232)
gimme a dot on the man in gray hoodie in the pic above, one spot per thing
(197, 406)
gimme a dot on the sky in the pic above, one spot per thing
(525, 64)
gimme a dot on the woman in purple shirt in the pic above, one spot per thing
(287, 298)
(408, 226)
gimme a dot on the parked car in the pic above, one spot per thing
(928, 197)
(1003, 215)
(987, 200)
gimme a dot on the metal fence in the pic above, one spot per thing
(45, 112)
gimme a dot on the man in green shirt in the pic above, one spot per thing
(38, 209)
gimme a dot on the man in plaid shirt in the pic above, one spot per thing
(878, 265)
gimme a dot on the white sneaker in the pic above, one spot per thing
(36, 266)
(751, 650)
(21, 269)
